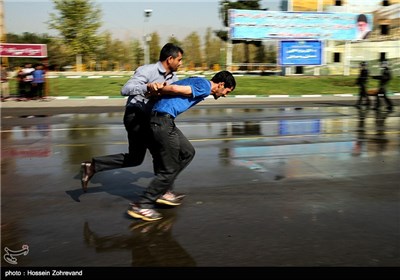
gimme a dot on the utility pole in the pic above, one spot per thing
(147, 38)
(3, 36)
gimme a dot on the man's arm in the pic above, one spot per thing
(175, 90)
(158, 89)
(137, 84)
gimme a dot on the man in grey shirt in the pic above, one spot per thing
(138, 109)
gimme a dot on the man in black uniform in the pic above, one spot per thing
(384, 78)
(362, 82)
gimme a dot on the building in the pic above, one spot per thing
(343, 57)
(333, 22)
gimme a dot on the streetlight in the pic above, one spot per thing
(147, 14)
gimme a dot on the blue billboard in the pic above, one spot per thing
(260, 25)
(300, 53)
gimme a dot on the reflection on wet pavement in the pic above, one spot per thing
(149, 243)
(246, 161)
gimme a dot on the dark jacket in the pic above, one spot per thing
(385, 76)
(363, 77)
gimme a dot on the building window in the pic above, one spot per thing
(338, 3)
(299, 70)
(385, 3)
(382, 56)
(336, 57)
(384, 29)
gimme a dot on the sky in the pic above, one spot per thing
(125, 18)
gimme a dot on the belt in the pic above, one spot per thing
(161, 114)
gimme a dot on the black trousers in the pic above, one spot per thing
(172, 152)
(363, 95)
(382, 94)
(137, 125)
(37, 90)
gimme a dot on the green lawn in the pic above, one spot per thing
(246, 85)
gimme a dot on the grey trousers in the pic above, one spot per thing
(172, 151)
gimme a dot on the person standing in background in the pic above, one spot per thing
(384, 79)
(26, 78)
(38, 81)
(362, 82)
(20, 84)
(5, 88)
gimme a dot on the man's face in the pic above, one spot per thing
(221, 91)
(362, 26)
(175, 63)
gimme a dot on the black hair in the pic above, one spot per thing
(168, 50)
(362, 18)
(225, 77)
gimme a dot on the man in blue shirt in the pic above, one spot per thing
(172, 150)
(140, 90)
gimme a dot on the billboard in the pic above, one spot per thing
(23, 50)
(261, 25)
(300, 53)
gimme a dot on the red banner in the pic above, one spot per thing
(23, 50)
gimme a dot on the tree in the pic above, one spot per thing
(172, 39)
(212, 49)
(270, 55)
(55, 50)
(120, 55)
(224, 6)
(260, 55)
(192, 49)
(154, 47)
(58, 54)
(78, 22)
(138, 53)
(104, 51)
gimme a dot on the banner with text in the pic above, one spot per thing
(261, 25)
(23, 50)
(300, 53)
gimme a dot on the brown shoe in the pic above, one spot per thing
(87, 171)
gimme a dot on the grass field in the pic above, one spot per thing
(246, 85)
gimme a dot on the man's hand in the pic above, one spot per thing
(153, 89)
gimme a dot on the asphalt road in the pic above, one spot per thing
(274, 183)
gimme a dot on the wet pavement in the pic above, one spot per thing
(273, 184)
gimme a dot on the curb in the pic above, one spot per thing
(100, 97)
